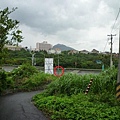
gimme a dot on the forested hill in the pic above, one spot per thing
(63, 47)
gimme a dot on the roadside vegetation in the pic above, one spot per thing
(64, 98)
(23, 78)
(9, 31)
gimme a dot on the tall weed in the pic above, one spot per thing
(105, 82)
(68, 84)
(73, 84)
(37, 80)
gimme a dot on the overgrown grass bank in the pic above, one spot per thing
(23, 78)
(64, 98)
(78, 107)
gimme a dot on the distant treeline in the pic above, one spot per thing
(78, 60)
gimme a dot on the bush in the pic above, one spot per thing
(37, 80)
(69, 84)
(10, 83)
(76, 107)
(3, 80)
(25, 77)
(105, 82)
(23, 72)
(73, 84)
(64, 98)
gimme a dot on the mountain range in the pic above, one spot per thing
(63, 47)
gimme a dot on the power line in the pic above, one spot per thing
(115, 21)
(105, 45)
(113, 27)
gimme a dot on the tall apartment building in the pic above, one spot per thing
(43, 46)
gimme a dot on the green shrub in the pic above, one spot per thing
(10, 83)
(3, 80)
(105, 82)
(69, 84)
(64, 98)
(38, 80)
(76, 107)
(73, 84)
(22, 71)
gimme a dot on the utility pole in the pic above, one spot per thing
(111, 37)
(118, 77)
(33, 54)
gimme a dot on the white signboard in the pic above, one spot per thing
(49, 65)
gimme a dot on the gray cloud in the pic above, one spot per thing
(68, 20)
(52, 16)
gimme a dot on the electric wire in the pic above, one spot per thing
(105, 45)
(115, 21)
(113, 27)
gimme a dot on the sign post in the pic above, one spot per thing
(49, 65)
(100, 62)
(57, 73)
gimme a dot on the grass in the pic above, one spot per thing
(38, 80)
(24, 78)
(64, 98)
(77, 107)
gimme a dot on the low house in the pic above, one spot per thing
(84, 51)
(95, 51)
(73, 52)
(54, 51)
(57, 50)
(11, 47)
(51, 51)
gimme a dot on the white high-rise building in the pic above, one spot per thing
(43, 46)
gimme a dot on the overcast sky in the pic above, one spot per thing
(81, 24)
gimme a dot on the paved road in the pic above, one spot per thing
(19, 107)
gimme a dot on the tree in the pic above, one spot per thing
(9, 32)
